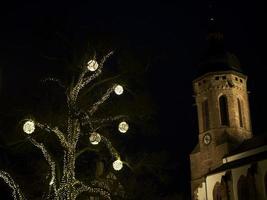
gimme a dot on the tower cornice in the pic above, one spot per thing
(220, 73)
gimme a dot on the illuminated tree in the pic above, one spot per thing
(67, 186)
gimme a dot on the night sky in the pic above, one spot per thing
(169, 38)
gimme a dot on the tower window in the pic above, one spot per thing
(205, 113)
(224, 110)
(217, 77)
(240, 112)
(241, 81)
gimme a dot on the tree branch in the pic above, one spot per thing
(84, 150)
(50, 161)
(101, 101)
(57, 132)
(16, 193)
(114, 153)
(82, 82)
(93, 190)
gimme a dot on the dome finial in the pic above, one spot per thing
(216, 56)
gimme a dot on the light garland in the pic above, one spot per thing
(95, 138)
(69, 187)
(123, 127)
(29, 127)
(92, 65)
(118, 90)
(117, 165)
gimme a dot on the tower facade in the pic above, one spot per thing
(221, 97)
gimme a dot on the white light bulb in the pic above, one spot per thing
(92, 65)
(29, 127)
(118, 90)
(117, 165)
(123, 127)
(95, 138)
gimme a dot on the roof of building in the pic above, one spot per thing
(249, 151)
(240, 162)
(249, 144)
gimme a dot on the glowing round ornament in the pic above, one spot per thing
(123, 127)
(118, 90)
(117, 165)
(92, 65)
(29, 127)
(95, 138)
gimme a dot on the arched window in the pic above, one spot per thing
(224, 186)
(243, 188)
(224, 110)
(217, 193)
(240, 112)
(252, 182)
(205, 115)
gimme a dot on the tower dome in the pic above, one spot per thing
(216, 57)
(222, 61)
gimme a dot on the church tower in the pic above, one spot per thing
(221, 96)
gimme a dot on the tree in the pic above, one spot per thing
(79, 122)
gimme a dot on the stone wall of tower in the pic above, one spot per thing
(210, 87)
(234, 86)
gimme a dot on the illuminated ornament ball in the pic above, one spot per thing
(95, 138)
(117, 165)
(92, 65)
(118, 90)
(29, 127)
(123, 127)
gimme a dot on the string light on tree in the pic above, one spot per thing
(29, 127)
(92, 65)
(52, 181)
(118, 89)
(123, 127)
(78, 118)
(95, 138)
(117, 165)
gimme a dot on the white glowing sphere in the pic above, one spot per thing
(118, 90)
(95, 138)
(92, 65)
(29, 127)
(117, 165)
(123, 127)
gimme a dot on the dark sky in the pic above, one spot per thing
(170, 35)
